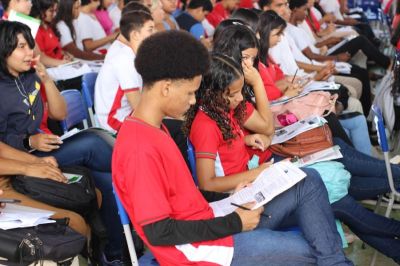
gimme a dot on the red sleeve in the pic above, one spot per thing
(154, 206)
(40, 39)
(43, 124)
(205, 137)
(273, 92)
(249, 110)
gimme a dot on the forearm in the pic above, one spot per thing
(169, 232)
(212, 196)
(91, 45)
(8, 152)
(56, 103)
(46, 60)
(318, 57)
(76, 52)
(308, 67)
(12, 167)
(262, 106)
(227, 183)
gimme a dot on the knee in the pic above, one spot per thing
(313, 179)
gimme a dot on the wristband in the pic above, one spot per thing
(27, 142)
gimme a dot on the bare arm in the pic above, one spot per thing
(91, 45)
(76, 52)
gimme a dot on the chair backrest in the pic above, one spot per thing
(127, 230)
(192, 161)
(76, 112)
(380, 127)
(88, 84)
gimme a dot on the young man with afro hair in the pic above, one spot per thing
(168, 212)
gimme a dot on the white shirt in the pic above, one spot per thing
(331, 6)
(117, 76)
(115, 15)
(301, 38)
(88, 27)
(66, 36)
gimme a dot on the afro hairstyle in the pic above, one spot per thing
(171, 55)
(296, 3)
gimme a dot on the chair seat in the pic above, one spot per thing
(147, 259)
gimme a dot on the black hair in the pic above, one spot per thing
(205, 4)
(5, 4)
(9, 32)
(297, 3)
(248, 16)
(172, 55)
(39, 7)
(269, 20)
(233, 40)
(226, 23)
(133, 20)
(85, 2)
(64, 13)
(263, 3)
(210, 96)
(134, 7)
(134, 1)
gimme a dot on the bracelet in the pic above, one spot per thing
(27, 142)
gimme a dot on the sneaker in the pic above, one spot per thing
(116, 262)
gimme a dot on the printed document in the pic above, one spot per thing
(328, 154)
(271, 182)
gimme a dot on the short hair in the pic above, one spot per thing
(5, 4)
(133, 20)
(9, 32)
(297, 3)
(263, 3)
(248, 16)
(134, 7)
(134, 1)
(85, 2)
(172, 55)
(205, 4)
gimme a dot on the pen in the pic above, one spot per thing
(295, 73)
(247, 209)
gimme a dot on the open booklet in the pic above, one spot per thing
(17, 216)
(288, 132)
(271, 182)
(328, 154)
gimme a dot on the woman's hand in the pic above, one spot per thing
(48, 159)
(45, 142)
(44, 170)
(251, 75)
(256, 141)
(293, 90)
(40, 69)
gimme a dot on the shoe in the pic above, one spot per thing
(116, 262)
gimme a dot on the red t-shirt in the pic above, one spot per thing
(218, 14)
(49, 43)
(154, 183)
(269, 76)
(231, 157)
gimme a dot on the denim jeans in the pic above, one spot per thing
(357, 130)
(320, 242)
(374, 229)
(93, 149)
(368, 174)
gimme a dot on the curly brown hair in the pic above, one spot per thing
(210, 96)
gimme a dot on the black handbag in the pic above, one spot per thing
(55, 241)
(79, 197)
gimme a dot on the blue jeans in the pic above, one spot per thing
(93, 149)
(357, 130)
(368, 174)
(320, 243)
(374, 229)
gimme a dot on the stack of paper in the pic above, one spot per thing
(286, 133)
(16, 216)
(69, 70)
(320, 86)
(271, 182)
(328, 154)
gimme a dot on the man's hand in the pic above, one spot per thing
(249, 218)
(48, 159)
(343, 57)
(45, 142)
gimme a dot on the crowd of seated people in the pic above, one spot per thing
(207, 72)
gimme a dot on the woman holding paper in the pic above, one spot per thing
(26, 97)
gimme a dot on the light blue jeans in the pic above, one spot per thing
(306, 204)
(357, 130)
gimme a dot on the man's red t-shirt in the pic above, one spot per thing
(218, 14)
